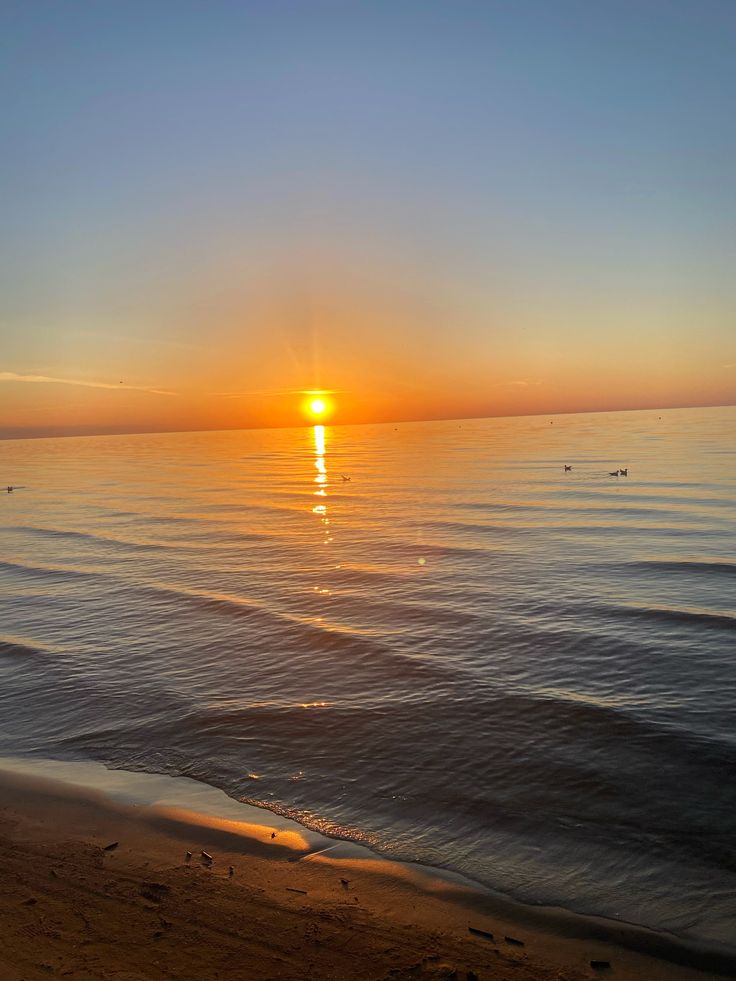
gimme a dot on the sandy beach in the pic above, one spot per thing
(98, 888)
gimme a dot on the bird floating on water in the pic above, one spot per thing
(567, 468)
(624, 472)
(346, 479)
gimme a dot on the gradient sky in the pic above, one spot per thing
(433, 209)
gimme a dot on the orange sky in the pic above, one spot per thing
(432, 212)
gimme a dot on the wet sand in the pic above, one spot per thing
(275, 902)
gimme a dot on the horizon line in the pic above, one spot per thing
(385, 422)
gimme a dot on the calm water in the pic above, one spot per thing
(463, 655)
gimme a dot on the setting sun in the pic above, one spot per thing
(317, 406)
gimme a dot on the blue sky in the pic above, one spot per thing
(492, 192)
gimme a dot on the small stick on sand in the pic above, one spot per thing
(481, 933)
(302, 891)
(111, 847)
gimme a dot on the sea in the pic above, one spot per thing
(430, 638)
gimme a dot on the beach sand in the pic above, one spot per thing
(275, 902)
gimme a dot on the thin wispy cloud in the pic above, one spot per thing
(264, 395)
(12, 376)
(521, 382)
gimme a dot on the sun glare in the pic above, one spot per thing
(317, 406)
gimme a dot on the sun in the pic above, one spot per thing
(317, 406)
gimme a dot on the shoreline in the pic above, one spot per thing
(57, 817)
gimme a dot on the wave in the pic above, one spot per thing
(547, 767)
(86, 536)
(685, 566)
(517, 715)
(586, 496)
(672, 616)
(20, 649)
(610, 528)
(47, 571)
(95, 538)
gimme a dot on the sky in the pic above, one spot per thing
(428, 209)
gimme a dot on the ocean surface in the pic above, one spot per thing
(463, 655)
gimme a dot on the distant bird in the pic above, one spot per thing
(10, 489)
(346, 479)
(567, 468)
(624, 473)
(613, 473)
(273, 835)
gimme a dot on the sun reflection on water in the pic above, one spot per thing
(321, 479)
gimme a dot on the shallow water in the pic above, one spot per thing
(463, 656)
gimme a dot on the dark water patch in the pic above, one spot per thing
(98, 538)
(618, 510)
(610, 529)
(681, 567)
(296, 639)
(696, 619)
(94, 538)
(419, 547)
(50, 573)
(16, 649)
(156, 518)
(693, 531)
